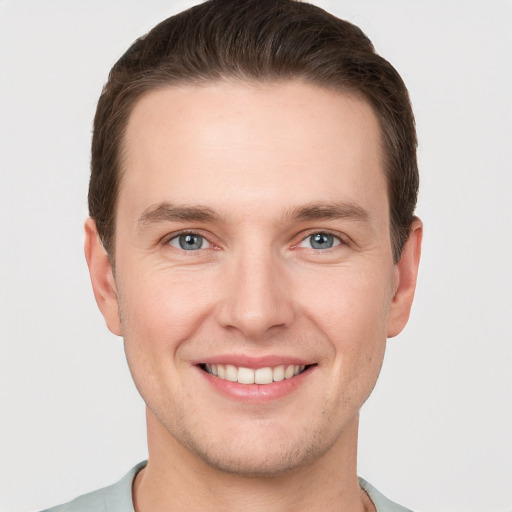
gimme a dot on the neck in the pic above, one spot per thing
(176, 479)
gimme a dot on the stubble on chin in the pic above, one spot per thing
(251, 456)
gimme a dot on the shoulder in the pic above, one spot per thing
(114, 498)
(382, 504)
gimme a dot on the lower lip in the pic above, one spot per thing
(256, 393)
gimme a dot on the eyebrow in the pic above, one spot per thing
(167, 212)
(329, 211)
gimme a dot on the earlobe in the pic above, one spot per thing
(102, 277)
(406, 273)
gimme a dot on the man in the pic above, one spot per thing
(252, 239)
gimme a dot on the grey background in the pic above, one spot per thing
(437, 433)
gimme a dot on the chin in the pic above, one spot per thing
(258, 462)
(260, 455)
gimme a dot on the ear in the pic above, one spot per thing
(102, 277)
(406, 273)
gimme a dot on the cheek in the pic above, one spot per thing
(160, 311)
(351, 310)
(348, 300)
(158, 317)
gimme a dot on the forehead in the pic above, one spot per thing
(232, 145)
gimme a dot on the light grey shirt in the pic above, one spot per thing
(118, 498)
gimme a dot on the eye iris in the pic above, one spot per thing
(190, 242)
(322, 241)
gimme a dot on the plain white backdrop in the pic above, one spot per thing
(436, 435)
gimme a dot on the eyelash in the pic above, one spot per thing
(337, 236)
(167, 240)
(304, 236)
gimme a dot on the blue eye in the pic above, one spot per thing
(188, 242)
(320, 241)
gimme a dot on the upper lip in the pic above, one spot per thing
(246, 361)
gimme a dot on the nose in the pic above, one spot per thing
(257, 299)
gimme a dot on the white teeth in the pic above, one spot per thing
(265, 375)
(278, 373)
(231, 373)
(245, 376)
(290, 370)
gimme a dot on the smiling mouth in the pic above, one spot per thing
(265, 375)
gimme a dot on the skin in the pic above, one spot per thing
(265, 162)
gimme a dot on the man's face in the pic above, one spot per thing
(252, 242)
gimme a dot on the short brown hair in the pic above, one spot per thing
(255, 40)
